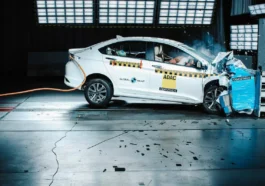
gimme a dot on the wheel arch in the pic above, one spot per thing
(98, 75)
(211, 83)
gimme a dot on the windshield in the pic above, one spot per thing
(202, 55)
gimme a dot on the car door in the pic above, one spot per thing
(175, 82)
(124, 62)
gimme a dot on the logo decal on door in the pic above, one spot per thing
(133, 80)
(169, 83)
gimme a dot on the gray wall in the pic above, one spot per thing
(261, 44)
(247, 60)
(46, 63)
(240, 7)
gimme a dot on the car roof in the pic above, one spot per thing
(151, 39)
(139, 38)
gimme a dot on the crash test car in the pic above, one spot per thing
(145, 67)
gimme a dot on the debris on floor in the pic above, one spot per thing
(119, 169)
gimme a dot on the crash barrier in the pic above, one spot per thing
(183, 73)
(262, 97)
(245, 89)
(53, 89)
(126, 64)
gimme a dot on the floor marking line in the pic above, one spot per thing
(15, 107)
(6, 109)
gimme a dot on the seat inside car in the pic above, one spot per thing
(158, 53)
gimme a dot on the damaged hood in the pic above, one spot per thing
(222, 55)
(223, 59)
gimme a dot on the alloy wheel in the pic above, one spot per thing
(97, 92)
(211, 97)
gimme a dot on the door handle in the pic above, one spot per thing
(110, 58)
(157, 66)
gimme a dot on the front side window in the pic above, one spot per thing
(131, 49)
(172, 55)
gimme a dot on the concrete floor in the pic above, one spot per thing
(49, 138)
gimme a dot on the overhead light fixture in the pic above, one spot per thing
(244, 37)
(257, 9)
(126, 12)
(186, 12)
(65, 11)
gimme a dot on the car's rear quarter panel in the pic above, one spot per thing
(91, 62)
(94, 64)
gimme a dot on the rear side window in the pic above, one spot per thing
(131, 49)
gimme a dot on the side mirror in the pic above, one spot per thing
(199, 65)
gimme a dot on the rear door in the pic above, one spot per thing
(124, 62)
(175, 82)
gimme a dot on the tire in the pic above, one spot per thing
(98, 92)
(209, 101)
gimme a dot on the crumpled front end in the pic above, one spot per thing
(223, 59)
(243, 86)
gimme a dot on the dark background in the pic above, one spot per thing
(22, 35)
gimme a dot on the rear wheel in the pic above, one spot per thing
(98, 92)
(209, 102)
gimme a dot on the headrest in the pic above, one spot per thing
(109, 51)
(158, 50)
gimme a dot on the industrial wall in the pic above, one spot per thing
(261, 53)
(25, 40)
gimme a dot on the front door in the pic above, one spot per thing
(174, 76)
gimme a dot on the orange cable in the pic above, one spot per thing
(51, 89)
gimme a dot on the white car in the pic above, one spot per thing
(145, 67)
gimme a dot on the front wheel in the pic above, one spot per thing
(209, 102)
(98, 92)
